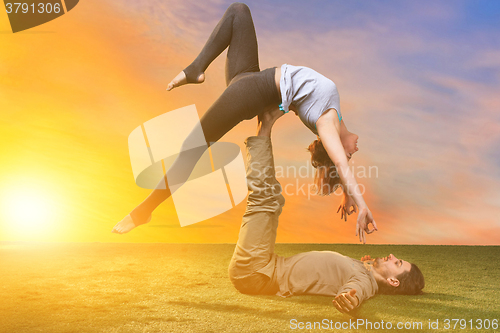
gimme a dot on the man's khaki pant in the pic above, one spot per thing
(253, 266)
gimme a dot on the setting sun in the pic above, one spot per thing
(27, 211)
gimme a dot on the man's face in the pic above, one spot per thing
(390, 266)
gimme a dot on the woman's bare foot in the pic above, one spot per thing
(180, 80)
(126, 225)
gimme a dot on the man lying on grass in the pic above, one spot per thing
(256, 269)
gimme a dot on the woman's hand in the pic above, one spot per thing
(328, 129)
(347, 206)
(365, 217)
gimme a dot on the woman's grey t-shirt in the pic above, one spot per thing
(310, 92)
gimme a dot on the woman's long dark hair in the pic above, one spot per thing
(326, 177)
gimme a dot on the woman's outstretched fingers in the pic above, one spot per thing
(372, 221)
(361, 234)
(365, 218)
(368, 231)
(361, 224)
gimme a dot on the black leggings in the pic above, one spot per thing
(249, 92)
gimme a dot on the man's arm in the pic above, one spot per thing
(358, 288)
(346, 302)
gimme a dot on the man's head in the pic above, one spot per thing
(396, 276)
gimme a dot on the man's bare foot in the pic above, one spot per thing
(266, 120)
(180, 80)
(270, 116)
(126, 225)
(366, 258)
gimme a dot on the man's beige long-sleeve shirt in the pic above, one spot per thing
(323, 273)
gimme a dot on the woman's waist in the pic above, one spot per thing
(277, 78)
(268, 80)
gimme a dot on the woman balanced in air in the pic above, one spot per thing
(251, 92)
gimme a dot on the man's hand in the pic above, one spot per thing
(366, 258)
(346, 302)
(347, 206)
(365, 217)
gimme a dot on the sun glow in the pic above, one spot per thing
(27, 212)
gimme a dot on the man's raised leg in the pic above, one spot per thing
(252, 267)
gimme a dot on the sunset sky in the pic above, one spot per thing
(419, 82)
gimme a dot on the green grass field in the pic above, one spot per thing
(93, 287)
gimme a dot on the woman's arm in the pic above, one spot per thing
(328, 127)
